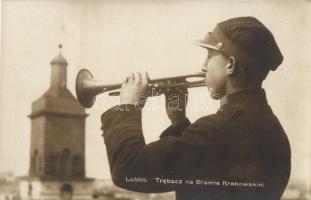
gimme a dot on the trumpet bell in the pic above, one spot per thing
(85, 97)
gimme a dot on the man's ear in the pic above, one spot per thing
(231, 67)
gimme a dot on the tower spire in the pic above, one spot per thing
(59, 70)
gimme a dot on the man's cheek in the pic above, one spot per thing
(211, 78)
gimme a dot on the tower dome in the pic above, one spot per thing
(59, 59)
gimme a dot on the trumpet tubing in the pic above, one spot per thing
(87, 87)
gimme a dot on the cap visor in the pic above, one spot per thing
(203, 44)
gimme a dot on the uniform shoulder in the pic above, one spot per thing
(207, 131)
(224, 115)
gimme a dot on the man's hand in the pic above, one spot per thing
(175, 104)
(134, 89)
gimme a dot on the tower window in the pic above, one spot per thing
(77, 166)
(52, 167)
(64, 162)
(66, 192)
(35, 163)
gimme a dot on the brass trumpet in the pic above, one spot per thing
(87, 87)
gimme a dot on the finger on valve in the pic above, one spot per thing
(137, 76)
(130, 77)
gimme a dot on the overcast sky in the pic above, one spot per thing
(112, 39)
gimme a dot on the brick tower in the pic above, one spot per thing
(57, 153)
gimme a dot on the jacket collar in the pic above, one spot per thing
(245, 96)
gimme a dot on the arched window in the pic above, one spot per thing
(52, 167)
(77, 166)
(40, 164)
(66, 192)
(64, 166)
(29, 190)
(35, 165)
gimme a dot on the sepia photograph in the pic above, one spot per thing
(155, 100)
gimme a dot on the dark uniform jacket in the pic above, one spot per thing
(241, 152)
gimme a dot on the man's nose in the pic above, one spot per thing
(204, 66)
(206, 61)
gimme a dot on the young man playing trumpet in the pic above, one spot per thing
(240, 152)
